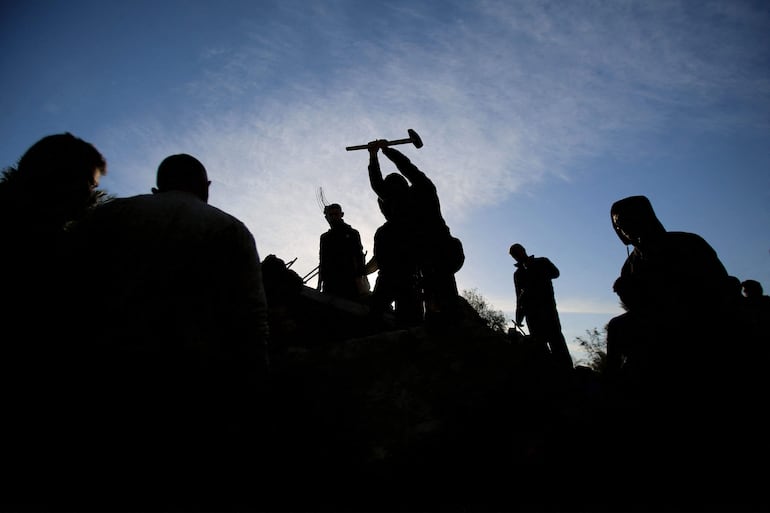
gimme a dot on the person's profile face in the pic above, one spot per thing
(94, 180)
(628, 227)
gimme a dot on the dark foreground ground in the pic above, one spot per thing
(446, 416)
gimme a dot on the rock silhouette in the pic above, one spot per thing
(461, 418)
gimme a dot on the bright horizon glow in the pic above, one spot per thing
(535, 116)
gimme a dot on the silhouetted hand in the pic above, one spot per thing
(375, 146)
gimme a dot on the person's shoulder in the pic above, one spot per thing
(225, 216)
(684, 236)
(215, 217)
(114, 205)
(687, 240)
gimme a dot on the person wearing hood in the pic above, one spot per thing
(672, 286)
(681, 264)
(661, 351)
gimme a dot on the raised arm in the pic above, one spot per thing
(375, 173)
(406, 168)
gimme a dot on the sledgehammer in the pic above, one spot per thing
(413, 138)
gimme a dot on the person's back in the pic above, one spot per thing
(178, 268)
(179, 367)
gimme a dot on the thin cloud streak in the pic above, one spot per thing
(521, 96)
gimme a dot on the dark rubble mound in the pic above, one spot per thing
(367, 416)
(370, 416)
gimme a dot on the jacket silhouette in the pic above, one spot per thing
(341, 256)
(413, 210)
(535, 301)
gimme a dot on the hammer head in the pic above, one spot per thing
(415, 138)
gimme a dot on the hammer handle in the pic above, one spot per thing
(390, 143)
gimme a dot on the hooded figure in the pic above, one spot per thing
(674, 289)
(667, 273)
(682, 386)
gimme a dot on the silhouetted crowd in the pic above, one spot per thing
(135, 349)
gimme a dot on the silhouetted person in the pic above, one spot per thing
(173, 374)
(536, 303)
(51, 187)
(416, 210)
(669, 361)
(756, 307)
(394, 253)
(752, 289)
(755, 314)
(341, 257)
(672, 285)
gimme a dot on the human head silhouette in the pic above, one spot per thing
(518, 252)
(752, 288)
(183, 172)
(63, 170)
(395, 184)
(333, 214)
(634, 220)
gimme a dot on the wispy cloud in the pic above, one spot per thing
(504, 94)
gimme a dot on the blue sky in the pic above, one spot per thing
(535, 116)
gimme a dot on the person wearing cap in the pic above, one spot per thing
(671, 284)
(682, 388)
